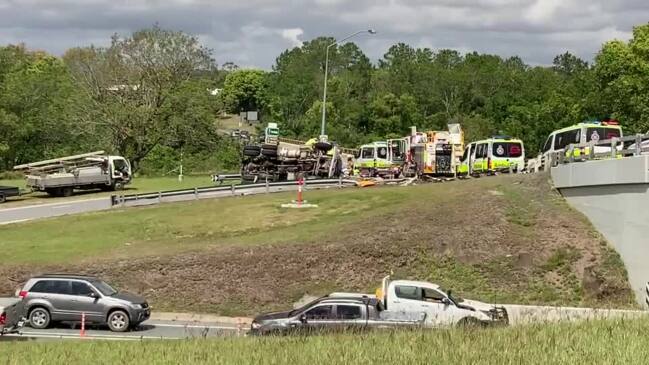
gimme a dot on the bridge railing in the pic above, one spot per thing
(612, 148)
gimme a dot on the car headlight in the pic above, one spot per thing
(136, 306)
(255, 325)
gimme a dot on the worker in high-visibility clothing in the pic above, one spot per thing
(311, 142)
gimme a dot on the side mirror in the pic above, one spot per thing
(93, 295)
(446, 301)
(303, 318)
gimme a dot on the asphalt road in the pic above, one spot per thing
(33, 212)
(168, 330)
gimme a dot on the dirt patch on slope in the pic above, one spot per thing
(522, 244)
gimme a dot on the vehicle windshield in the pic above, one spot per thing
(120, 165)
(449, 293)
(303, 308)
(507, 149)
(367, 152)
(104, 288)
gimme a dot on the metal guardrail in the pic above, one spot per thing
(234, 189)
(615, 148)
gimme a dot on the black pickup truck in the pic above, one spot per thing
(332, 313)
(7, 191)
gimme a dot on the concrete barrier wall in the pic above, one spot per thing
(527, 314)
(628, 170)
(614, 195)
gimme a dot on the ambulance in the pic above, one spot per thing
(376, 159)
(559, 140)
(496, 154)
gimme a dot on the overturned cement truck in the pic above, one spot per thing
(278, 159)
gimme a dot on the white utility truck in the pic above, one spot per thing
(94, 170)
(439, 305)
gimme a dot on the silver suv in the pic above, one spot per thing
(60, 297)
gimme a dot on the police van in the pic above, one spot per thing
(496, 154)
(579, 133)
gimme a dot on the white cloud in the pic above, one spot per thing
(292, 35)
(542, 10)
(255, 32)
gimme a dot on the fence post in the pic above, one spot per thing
(267, 187)
(638, 142)
(340, 181)
(196, 193)
(591, 150)
(613, 147)
(232, 188)
(159, 197)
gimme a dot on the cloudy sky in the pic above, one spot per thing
(252, 33)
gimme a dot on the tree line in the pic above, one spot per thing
(146, 96)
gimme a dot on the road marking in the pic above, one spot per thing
(93, 335)
(62, 206)
(193, 326)
(52, 204)
(18, 221)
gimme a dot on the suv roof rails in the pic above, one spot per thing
(54, 275)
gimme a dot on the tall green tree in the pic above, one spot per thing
(244, 90)
(131, 84)
(36, 116)
(622, 71)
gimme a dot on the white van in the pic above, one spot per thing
(497, 154)
(560, 139)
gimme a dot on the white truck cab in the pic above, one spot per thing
(439, 305)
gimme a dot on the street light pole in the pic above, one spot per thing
(323, 136)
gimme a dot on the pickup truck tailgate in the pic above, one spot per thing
(13, 310)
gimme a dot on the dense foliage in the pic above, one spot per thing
(147, 96)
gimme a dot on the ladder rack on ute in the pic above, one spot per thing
(82, 160)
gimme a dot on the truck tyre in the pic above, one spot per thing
(118, 321)
(66, 191)
(118, 185)
(323, 146)
(269, 152)
(39, 318)
(251, 151)
(3, 198)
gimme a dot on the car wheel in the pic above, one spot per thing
(118, 321)
(2, 198)
(469, 323)
(39, 318)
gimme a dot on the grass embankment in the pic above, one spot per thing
(506, 239)
(196, 225)
(606, 342)
(139, 185)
